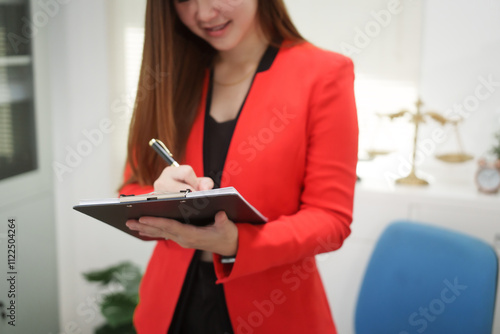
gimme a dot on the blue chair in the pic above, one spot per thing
(424, 279)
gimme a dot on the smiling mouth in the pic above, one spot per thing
(218, 28)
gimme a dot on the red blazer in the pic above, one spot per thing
(293, 156)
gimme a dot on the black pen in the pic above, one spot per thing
(163, 152)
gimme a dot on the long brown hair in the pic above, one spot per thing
(171, 81)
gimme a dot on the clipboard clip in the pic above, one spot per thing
(153, 196)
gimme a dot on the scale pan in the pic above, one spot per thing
(454, 157)
(376, 153)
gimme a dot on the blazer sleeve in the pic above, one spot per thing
(323, 220)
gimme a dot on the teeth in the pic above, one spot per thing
(218, 27)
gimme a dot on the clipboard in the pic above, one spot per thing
(196, 208)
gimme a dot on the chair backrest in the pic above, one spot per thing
(424, 279)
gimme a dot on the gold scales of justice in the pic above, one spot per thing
(418, 118)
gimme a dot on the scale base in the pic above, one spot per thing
(412, 180)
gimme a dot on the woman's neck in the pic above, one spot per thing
(247, 53)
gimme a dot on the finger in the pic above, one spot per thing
(205, 183)
(170, 227)
(144, 230)
(185, 235)
(186, 175)
(221, 220)
(176, 186)
(220, 216)
(176, 179)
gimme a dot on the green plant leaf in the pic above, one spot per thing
(118, 309)
(124, 329)
(126, 274)
(496, 149)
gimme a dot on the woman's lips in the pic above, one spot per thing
(217, 30)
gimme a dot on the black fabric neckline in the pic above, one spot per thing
(265, 64)
(214, 158)
(211, 119)
(267, 59)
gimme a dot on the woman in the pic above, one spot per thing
(246, 103)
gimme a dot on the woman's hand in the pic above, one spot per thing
(181, 178)
(221, 237)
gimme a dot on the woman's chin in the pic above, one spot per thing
(222, 46)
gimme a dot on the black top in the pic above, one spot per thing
(201, 308)
(216, 139)
(217, 136)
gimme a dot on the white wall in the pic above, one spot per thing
(382, 36)
(81, 100)
(462, 45)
